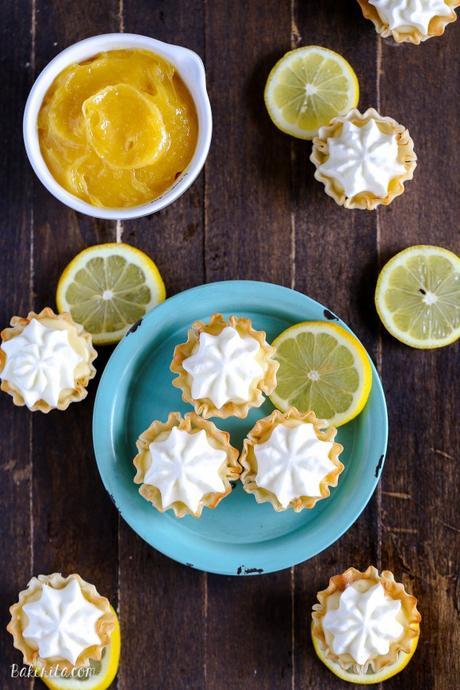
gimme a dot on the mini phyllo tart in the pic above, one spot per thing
(290, 460)
(61, 624)
(185, 464)
(46, 360)
(365, 627)
(364, 159)
(225, 367)
(408, 21)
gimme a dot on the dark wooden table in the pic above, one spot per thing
(256, 212)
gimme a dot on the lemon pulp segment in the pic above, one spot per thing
(307, 88)
(418, 296)
(323, 368)
(118, 129)
(107, 288)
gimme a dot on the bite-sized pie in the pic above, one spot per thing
(411, 21)
(366, 626)
(363, 159)
(290, 460)
(225, 367)
(46, 360)
(185, 464)
(63, 623)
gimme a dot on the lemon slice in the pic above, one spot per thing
(107, 288)
(368, 678)
(418, 296)
(307, 88)
(98, 676)
(323, 368)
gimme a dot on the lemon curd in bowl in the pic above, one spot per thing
(118, 129)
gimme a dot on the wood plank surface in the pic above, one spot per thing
(255, 212)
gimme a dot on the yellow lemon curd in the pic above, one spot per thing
(117, 130)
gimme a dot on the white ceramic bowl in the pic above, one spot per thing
(191, 70)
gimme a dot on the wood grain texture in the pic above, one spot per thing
(168, 598)
(421, 533)
(75, 523)
(15, 232)
(255, 212)
(335, 258)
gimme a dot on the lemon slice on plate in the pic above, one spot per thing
(107, 288)
(418, 296)
(368, 678)
(99, 675)
(307, 88)
(323, 368)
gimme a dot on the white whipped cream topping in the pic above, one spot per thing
(365, 623)
(40, 363)
(224, 367)
(293, 462)
(406, 15)
(62, 623)
(185, 467)
(363, 159)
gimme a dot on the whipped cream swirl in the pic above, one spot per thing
(40, 363)
(362, 159)
(185, 467)
(293, 462)
(62, 623)
(224, 367)
(406, 15)
(365, 623)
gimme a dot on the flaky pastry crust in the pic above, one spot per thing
(104, 625)
(262, 431)
(190, 423)
(396, 590)
(436, 27)
(364, 200)
(216, 325)
(79, 392)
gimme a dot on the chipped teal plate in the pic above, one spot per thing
(240, 537)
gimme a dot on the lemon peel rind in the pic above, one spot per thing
(361, 360)
(104, 625)
(364, 200)
(402, 336)
(396, 590)
(79, 392)
(295, 131)
(204, 406)
(436, 27)
(190, 423)
(262, 431)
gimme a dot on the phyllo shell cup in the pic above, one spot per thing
(105, 625)
(262, 432)
(395, 590)
(81, 343)
(387, 125)
(229, 471)
(436, 27)
(265, 385)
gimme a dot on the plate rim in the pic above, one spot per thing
(129, 341)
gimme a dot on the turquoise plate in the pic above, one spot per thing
(240, 537)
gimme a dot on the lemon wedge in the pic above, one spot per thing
(418, 296)
(107, 288)
(323, 368)
(99, 675)
(307, 88)
(368, 678)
